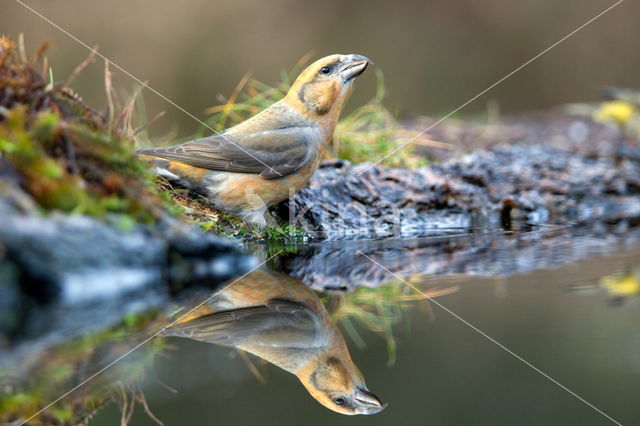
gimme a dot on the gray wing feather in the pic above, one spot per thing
(270, 153)
(278, 323)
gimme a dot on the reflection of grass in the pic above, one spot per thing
(380, 309)
(64, 366)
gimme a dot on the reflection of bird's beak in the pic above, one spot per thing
(355, 65)
(369, 403)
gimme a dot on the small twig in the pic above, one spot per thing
(77, 70)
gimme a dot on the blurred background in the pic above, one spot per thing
(435, 54)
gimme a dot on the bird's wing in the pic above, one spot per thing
(270, 153)
(279, 323)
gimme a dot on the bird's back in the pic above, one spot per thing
(279, 115)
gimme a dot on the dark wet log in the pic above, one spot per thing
(553, 169)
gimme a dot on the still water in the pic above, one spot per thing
(493, 327)
(575, 319)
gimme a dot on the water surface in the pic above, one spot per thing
(575, 319)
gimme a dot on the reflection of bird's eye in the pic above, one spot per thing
(326, 70)
(339, 401)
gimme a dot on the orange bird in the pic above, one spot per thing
(271, 156)
(278, 318)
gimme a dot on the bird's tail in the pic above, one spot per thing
(183, 174)
(162, 166)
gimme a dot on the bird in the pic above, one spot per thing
(278, 318)
(271, 156)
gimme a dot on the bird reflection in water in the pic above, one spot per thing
(276, 317)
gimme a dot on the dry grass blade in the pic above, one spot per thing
(306, 58)
(77, 70)
(127, 112)
(149, 123)
(228, 106)
(126, 406)
(45, 65)
(252, 366)
(232, 99)
(21, 49)
(109, 92)
(439, 292)
(422, 140)
(166, 386)
(426, 306)
(143, 401)
(37, 57)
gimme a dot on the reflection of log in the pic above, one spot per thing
(66, 275)
(339, 267)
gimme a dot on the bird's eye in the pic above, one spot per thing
(325, 70)
(339, 401)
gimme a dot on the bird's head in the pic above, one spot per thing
(340, 387)
(322, 88)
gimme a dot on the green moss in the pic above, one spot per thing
(199, 211)
(67, 159)
(232, 227)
